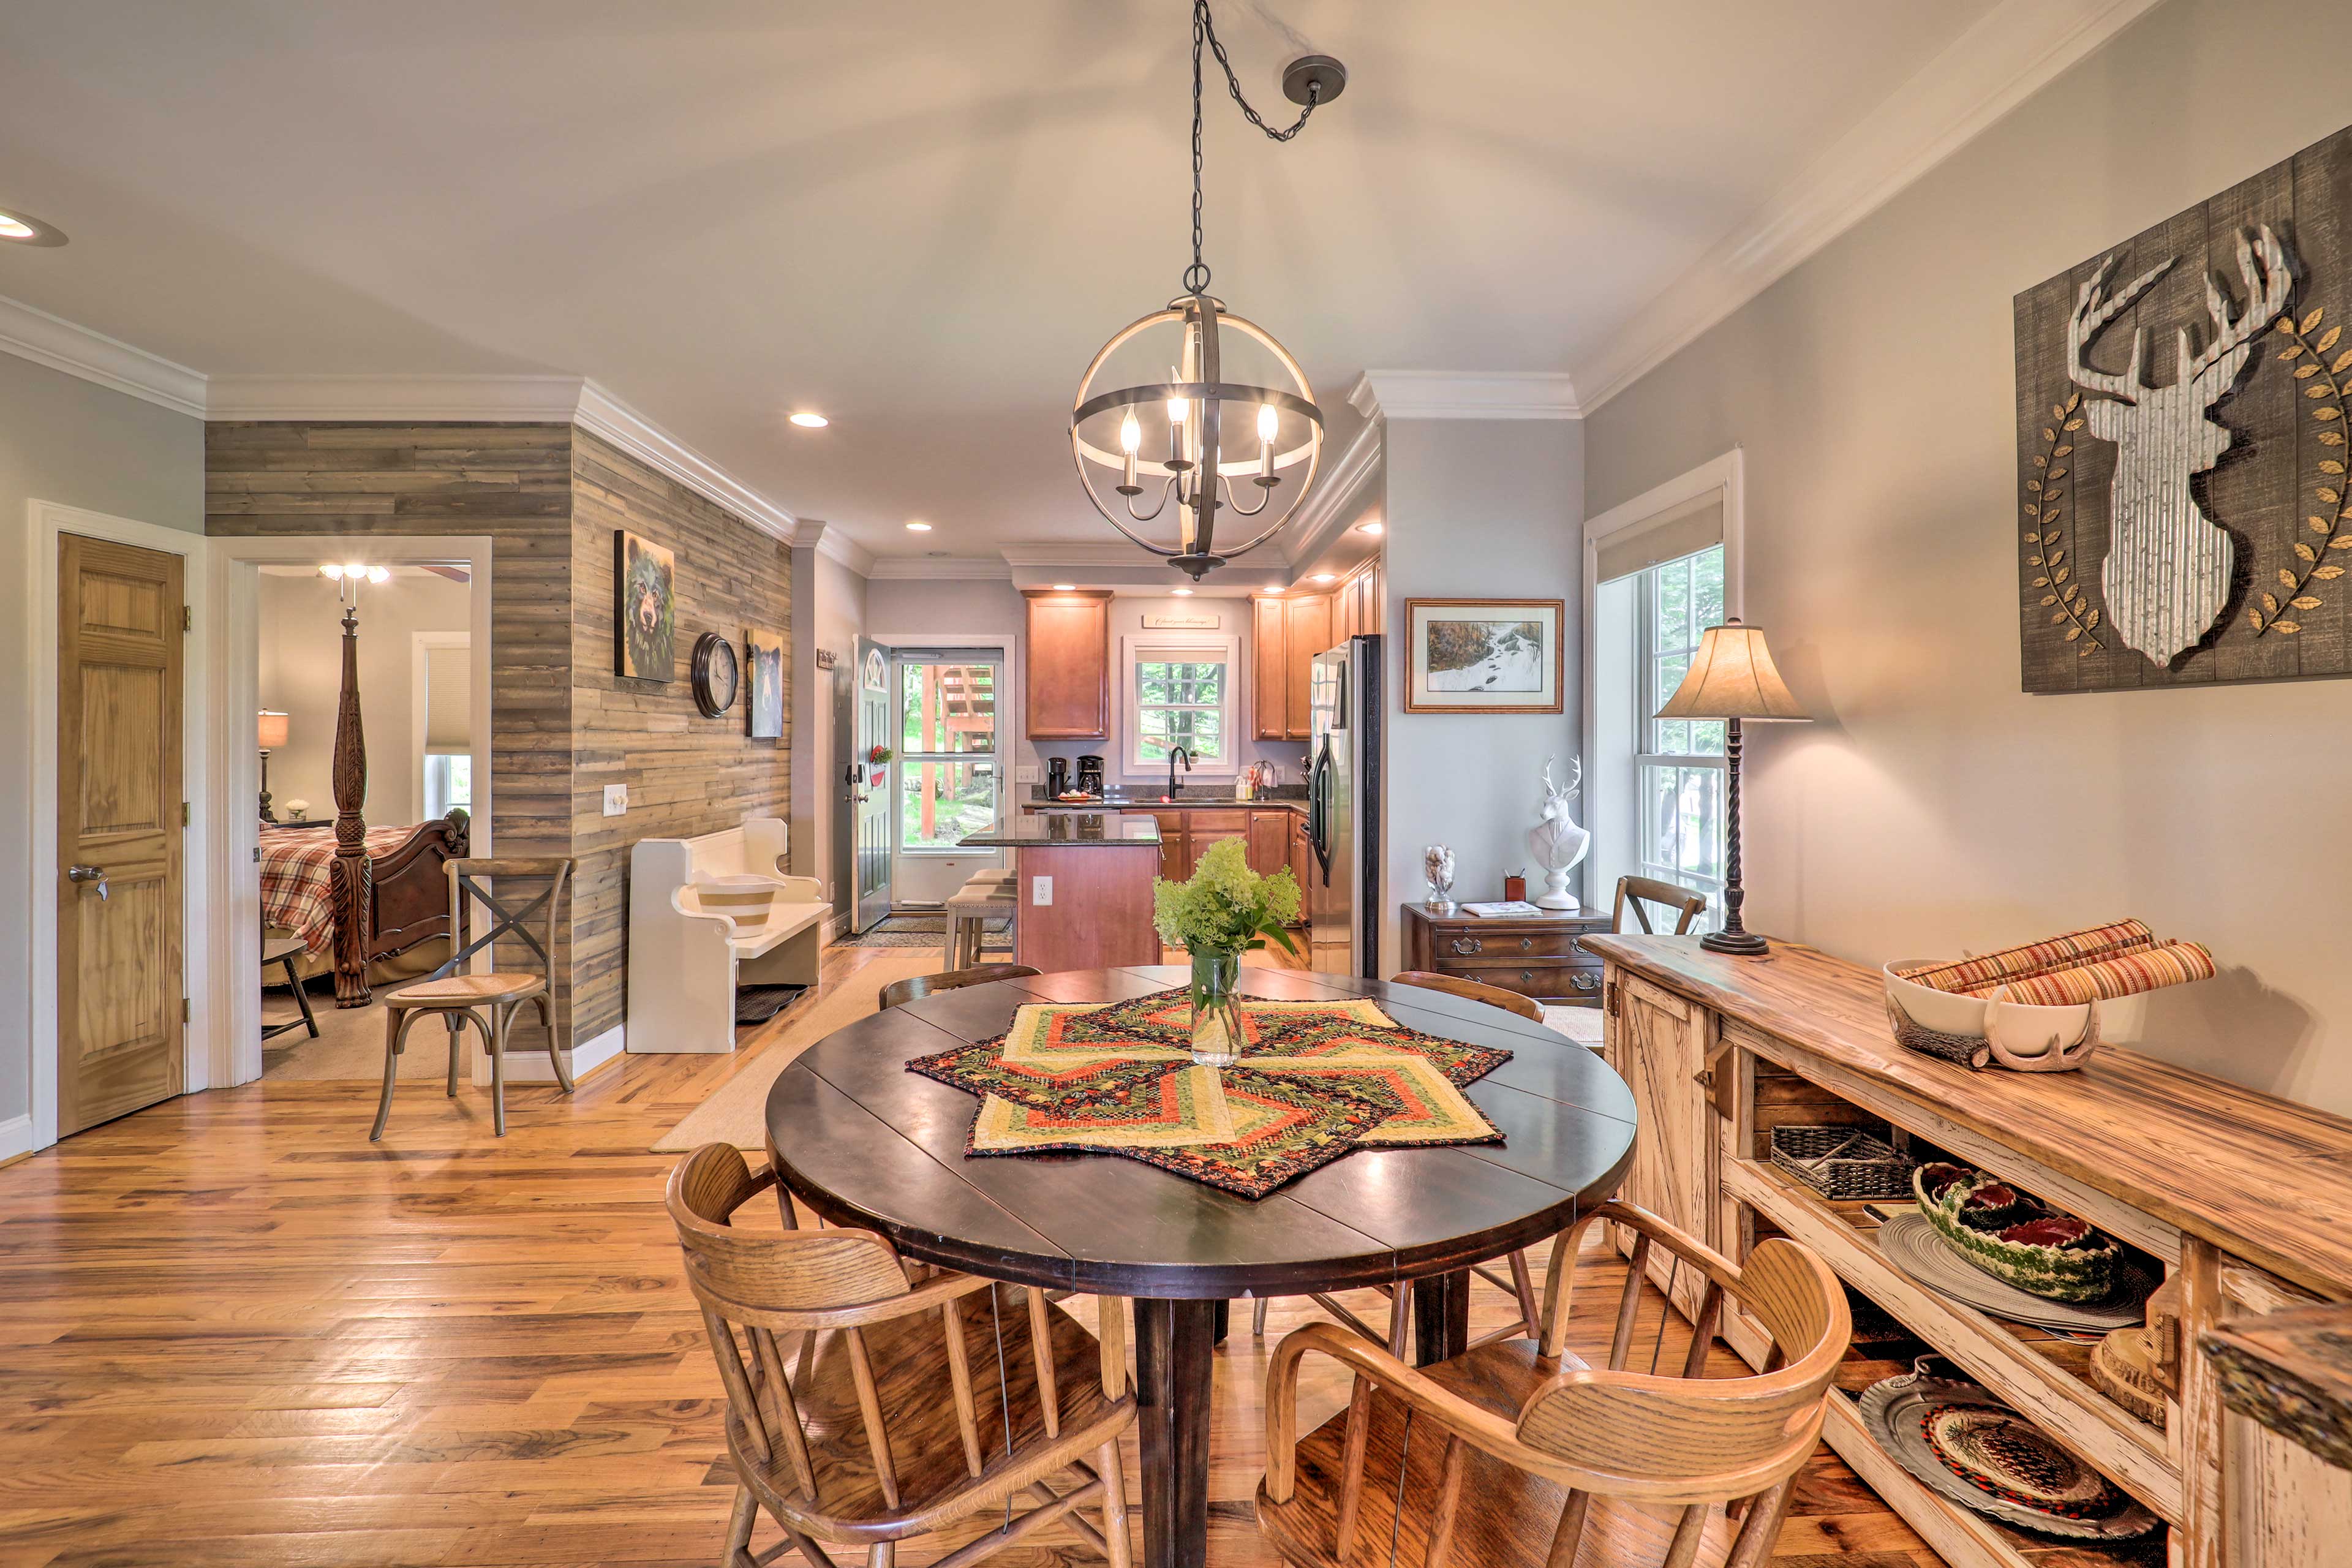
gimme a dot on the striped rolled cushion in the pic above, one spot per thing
(2125, 974)
(1966, 975)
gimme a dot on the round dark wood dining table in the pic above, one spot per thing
(863, 1141)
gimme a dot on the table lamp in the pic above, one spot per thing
(271, 735)
(1732, 678)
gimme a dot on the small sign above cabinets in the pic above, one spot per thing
(1161, 623)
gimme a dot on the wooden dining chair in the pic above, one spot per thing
(288, 950)
(1635, 892)
(927, 1403)
(1521, 1455)
(915, 987)
(1472, 991)
(458, 997)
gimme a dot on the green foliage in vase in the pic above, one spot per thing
(1226, 907)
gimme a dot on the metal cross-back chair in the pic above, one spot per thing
(1521, 1455)
(929, 1402)
(460, 998)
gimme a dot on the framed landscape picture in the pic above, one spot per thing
(766, 672)
(1483, 655)
(645, 608)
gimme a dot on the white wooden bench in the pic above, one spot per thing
(707, 914)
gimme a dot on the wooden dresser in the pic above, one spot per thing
(2245, 1200)
(1540, 958)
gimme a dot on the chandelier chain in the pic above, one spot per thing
(1204, 31)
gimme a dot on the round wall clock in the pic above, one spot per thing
(716, 675)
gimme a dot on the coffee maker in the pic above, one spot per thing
(1057, 777)
(1090, 774)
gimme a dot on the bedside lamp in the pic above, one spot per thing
(1732, 678)
(271, 735)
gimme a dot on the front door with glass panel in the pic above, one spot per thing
(868, 784)
(947, 780)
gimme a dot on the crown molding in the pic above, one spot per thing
(938, 568)
(1324, 514)
(1465, 394)
(35, 335)
(1071, 552)
(2011, 51)
(828, 541)
(493, 400)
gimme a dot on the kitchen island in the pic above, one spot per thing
(1083, 883)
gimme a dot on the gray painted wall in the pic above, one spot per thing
(64, 440)
(1934, 807)
(1476, 509)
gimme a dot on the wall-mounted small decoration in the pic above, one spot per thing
(1483, 655)
(2183, 504)
(716, 675)
(766, 650)
(645, 608)
(1159, 622)
(827, 658)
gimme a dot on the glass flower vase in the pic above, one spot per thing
(1216, 1008)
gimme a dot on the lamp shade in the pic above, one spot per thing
(1732, 676)
(272, 730)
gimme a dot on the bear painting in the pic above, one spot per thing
(645, 631)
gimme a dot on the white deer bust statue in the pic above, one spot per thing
(2166, 573)
(1556, 841)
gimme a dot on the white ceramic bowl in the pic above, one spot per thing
(2024, 1027)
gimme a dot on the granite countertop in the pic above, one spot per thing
(1133, 802)
(1063, 830)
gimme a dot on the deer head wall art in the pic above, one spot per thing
(2183, 514)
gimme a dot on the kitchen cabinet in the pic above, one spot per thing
(1269, 671)
(1205, 829)
(1067, 677)
(1269, 840)
(1302, 860)
(1307, 631)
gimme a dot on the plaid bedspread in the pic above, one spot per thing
(297, 894)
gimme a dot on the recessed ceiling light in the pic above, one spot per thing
(21, 228)
(1374, 528)
(1325, 577)
(808, 421)
(919, 528)
(1065, 588)
(1184, 592)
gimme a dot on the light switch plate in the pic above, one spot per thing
(1028, 772)
(1041, 890)
(616, 799)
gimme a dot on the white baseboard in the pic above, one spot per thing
(15, 1136)
(532, 1067)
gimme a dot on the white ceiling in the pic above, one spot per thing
(920, 218)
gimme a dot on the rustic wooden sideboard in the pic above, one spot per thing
(2245, 1200)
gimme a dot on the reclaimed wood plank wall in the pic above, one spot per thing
(686, 774)
(562, 724)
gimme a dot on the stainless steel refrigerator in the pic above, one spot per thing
(1343, 810)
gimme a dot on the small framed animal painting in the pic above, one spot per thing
(644, 605)
(766, 671)
(1483, 655)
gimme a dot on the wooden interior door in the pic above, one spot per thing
(120, 1034)
(1655, 1043)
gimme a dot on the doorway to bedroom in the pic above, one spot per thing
(365, 674)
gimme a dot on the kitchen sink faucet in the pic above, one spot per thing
(1178, 752)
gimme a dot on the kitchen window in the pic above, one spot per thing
(1181, 693)
(946, 777)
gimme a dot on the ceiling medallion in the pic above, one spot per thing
(1193, 468)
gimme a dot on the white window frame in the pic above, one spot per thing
(903, 769)
(419, 692)
(1132, 648)
(1646, 655)
(1611, 791)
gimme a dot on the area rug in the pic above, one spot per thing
(1314, 1081)
(928, 930)
(736, 1112)
(1582, 1024)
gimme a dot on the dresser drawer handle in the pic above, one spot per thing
(1527, 977)
(1467, 945)
(1526, 945)
(1585, 980)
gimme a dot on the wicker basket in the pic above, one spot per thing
(1843, 1163)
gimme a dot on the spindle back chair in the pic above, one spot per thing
(865, 1405)
(1469, 1463)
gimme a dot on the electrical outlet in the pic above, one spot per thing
(1041, 890)
(616, 799)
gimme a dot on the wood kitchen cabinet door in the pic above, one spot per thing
(1269, 671)
(1307, 631)
(1657, 1043)
(1302, 861)
(1269, 841)
(1067, 681)
(1205, 829)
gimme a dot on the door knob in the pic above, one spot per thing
(89, 874)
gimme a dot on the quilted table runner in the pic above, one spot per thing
(1315, 1080)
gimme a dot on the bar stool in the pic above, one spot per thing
(988, 896)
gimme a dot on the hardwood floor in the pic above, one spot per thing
(234, 1333)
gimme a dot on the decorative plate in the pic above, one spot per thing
(1913, 1245)
(716, 675)
(1963, 1444)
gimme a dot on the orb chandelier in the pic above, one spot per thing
(1197, 459)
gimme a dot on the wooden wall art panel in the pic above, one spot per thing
(2182, 402)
